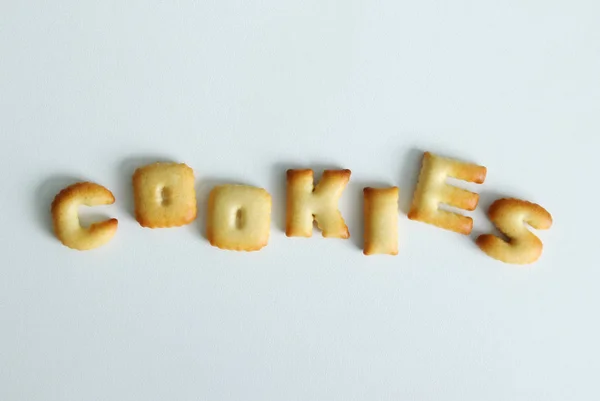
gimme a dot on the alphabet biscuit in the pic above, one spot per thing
(65, 216)
(164, 195)
(239, 217)
(432, 190)
(381, 221)
(306, 202)
(509, 216)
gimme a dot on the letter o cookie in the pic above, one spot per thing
(164, 195)
(239, 217)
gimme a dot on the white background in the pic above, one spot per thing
(243, 90)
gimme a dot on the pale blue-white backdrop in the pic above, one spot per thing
(242, 91)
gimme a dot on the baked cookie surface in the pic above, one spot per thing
(381, 221)
(432, 190)
(239, 217)
(510, 215)
(307, 203)
(65, 216)
(164, 195)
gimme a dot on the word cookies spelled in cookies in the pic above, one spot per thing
(239, 216)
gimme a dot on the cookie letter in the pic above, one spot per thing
(432, 190)
(509, 216)
(239, 217)
(306, 203)
(164, 195)
(65, 216)
(381, 220)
